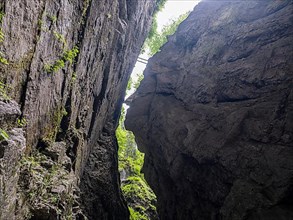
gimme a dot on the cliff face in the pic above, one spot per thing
(11, 151)
(214, 114)
(69, 63)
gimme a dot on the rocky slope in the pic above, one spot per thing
(214, 114)
(66, 63)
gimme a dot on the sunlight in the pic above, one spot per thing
(173, 9)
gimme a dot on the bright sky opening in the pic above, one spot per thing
(171, 11)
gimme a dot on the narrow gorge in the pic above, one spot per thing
(213, 114)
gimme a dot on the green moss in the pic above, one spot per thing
(59, 64)
(52, 18)
(48, 68)
(40, 23)
(53, 127)
(3, 60)
(1, 16)
(1, 32)
(64, 112)
(3, 91)
(136, 188)
(157, 39)
(135, 215)
(138, 194)
(129, 157)
(21, 122)
(73, 76)
(60, 38)
(68, 56)
(2, 37)
(3, 135)
(37, 181)
(86, 4)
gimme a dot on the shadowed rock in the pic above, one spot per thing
(214, 114)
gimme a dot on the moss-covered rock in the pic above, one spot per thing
(139, 196)
(141, 199)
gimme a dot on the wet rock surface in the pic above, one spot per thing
(69, 63)
(214, 114)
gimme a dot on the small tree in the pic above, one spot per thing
(157, 39)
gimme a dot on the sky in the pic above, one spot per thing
(172, 10)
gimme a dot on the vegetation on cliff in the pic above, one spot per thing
(2, 37)
(157, 39)
(47, 187)
(139, 196)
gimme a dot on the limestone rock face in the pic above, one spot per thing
(11, 151)
(214, 114)
(69, 63)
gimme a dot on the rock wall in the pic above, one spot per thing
(214, 114)
(11, 151)
(67, 63)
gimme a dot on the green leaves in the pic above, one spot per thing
(157, 39)
(129, 157)
(21, 122)
(43, 180)
(161, 4)
(3, 135)
(68, 56)
(138, 194)
(60, 38)
(1, 16)
(2, 37)
(129, 84)
(141, 196)
(135, 215)
(3, 60)
(3, 90)
(138, 80)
